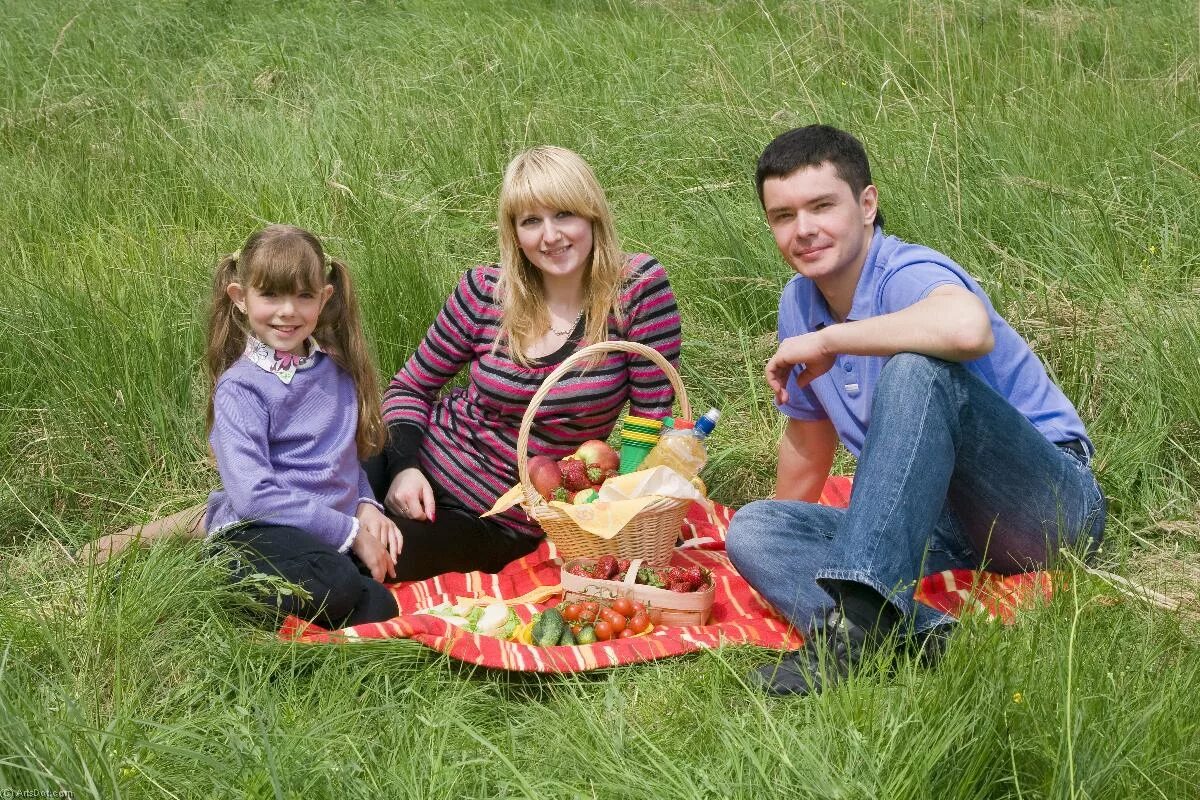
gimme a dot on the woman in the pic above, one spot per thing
(562, 283)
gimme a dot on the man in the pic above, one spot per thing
(968, 455)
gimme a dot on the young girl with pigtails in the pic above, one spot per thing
(294, 407)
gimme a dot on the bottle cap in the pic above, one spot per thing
(706, 423)
(668, 422)
(684, 424)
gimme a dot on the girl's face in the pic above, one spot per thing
(557, 242)
(283, 321)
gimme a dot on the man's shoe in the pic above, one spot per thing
(828, 657)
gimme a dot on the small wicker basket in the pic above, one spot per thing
(652, 534)
(662, 605)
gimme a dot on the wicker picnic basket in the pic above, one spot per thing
(652, 534)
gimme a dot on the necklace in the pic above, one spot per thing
(570, 328)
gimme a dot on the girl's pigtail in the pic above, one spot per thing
(226, 338)
(340, 332)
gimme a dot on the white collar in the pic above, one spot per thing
(282, 365)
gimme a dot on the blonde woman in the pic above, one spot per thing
(562, 283)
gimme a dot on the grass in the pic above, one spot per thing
(1051, 148)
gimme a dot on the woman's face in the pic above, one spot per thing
(557, 242)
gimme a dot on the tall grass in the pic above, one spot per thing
(1051, 148)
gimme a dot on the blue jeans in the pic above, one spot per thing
(951, 476)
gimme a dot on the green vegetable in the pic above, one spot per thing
(567, 637)
(549, 628)
(587, 635)
(650, 577)
(510, 626)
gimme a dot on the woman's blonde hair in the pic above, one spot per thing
(286, 259)
(560, 179)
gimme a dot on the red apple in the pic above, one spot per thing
(544, 475)
(595, 453)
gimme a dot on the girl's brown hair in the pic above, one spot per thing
(285, 259)
(560, 179)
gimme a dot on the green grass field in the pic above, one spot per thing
(1052, 148)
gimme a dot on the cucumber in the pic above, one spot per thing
(567, 637)
(587, 635)
(549, 628)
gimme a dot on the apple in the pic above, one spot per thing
(585, 496)
(544, 475)
(596, 453)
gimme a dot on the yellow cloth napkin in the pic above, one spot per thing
(620, 500)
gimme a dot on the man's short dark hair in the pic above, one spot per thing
(812, 146)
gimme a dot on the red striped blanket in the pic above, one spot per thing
(739, 615)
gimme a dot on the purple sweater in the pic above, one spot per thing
(286, 452)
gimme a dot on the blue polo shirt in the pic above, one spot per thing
(897, 274)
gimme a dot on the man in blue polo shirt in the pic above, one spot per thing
(968, 454)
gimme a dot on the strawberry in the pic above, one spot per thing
(574, 474)
(561, 495)
(595, 475)
(606, 567)
(696, 577)
(679, 586)
(622, 568)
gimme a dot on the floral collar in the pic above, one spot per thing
(281, 364)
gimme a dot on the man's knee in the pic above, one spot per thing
(741, 540)
(905, 372)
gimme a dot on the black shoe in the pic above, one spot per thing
(827, 658)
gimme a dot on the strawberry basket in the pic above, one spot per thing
(652, 533)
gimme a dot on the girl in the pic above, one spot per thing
(294, 407)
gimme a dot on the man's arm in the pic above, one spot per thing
(805, 458)
(950, 324)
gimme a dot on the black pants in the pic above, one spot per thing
(458, 541)
(343, 593)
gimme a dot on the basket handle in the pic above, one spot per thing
(532, 498)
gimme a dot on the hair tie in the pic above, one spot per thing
(235, 255)
(328, 260)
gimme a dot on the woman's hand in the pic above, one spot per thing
(371, 553)
(410, 495)
(375, 523)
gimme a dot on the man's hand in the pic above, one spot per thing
(807, 350)
(410, 495)
(371, 553)
(373, 522)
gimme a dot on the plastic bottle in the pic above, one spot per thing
(682, 448)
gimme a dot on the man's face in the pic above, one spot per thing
(820, 227)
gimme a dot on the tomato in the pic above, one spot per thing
(638, 608)
(626, 634)
(571, 613)
(613, 618)
(639, 622)
(603, 630)
(623, 606)
(588, 610)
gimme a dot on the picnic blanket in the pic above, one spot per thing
(739, 615)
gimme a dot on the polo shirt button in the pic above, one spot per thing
(846, 366)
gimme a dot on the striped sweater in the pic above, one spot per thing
(468, 436)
